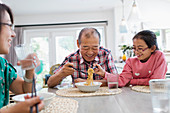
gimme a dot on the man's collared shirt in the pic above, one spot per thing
(104, 56)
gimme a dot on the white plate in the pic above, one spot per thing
(46, 95)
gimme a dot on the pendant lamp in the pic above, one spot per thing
(123, 25)
(134, 19)
(1, 2)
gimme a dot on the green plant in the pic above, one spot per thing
(125, 48)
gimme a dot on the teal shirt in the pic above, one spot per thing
(7, 76)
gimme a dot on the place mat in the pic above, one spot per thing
(57, 105)
(144, 89)
(75, 92)
(61, 105)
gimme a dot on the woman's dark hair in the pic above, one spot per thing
(149, 37)
(92, 32)
(4, 8)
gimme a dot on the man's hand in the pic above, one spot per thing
(58, 76)
(67, 70)
(79, 80)
(99, 70)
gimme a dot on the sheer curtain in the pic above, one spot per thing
(11, 57)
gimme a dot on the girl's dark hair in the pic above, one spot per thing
(149, 37)
(92, 32)
(4, 8)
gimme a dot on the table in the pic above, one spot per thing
(128, 101)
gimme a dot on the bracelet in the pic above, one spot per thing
(27, 80)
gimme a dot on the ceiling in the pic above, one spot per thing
(31, 7)
(155, 11)
(27, 7)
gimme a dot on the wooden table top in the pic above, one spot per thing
(128, 101)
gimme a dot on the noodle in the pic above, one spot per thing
(90, 77)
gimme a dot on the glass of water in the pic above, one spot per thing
(112, 82)
(160, 92)
(25, 56)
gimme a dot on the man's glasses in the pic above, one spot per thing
(139, 49)
(10, 25)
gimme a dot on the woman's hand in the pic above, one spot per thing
(30, 62)
(24, 107)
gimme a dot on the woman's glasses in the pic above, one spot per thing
(139, 49)
(10, 25)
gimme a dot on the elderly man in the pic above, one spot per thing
(88, 55)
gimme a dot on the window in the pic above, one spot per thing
(159, 38)
(53, 44)
(167, 39)
(163, 39)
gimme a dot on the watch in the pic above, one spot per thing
(27, 80)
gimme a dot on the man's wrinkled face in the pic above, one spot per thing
(89, 47)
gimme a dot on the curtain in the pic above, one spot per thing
(12, 57)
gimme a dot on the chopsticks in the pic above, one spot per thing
(83, 71)
(79, 70)
(96, 66)
(32, 94)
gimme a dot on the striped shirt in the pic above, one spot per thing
(104, 56)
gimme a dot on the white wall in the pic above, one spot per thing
(155, 14)
(75, 17)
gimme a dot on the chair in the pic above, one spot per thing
(47, 76)
(54, 67)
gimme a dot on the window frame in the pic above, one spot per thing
(52, 32)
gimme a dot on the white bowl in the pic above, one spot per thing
(90, 88)
(46, 95)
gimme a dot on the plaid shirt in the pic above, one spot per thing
(104, 56)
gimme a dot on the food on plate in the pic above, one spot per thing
(90, 77)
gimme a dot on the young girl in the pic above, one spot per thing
(148, 64)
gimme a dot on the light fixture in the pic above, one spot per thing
(1, 2)
(134, 15)
(134, 20)
(123, 26)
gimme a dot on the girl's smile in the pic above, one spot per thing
(141, 49)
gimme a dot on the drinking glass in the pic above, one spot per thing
(160, 95)
(25, 56)
(112, 81)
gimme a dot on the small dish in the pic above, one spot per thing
(90, 88)
(46, 95)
